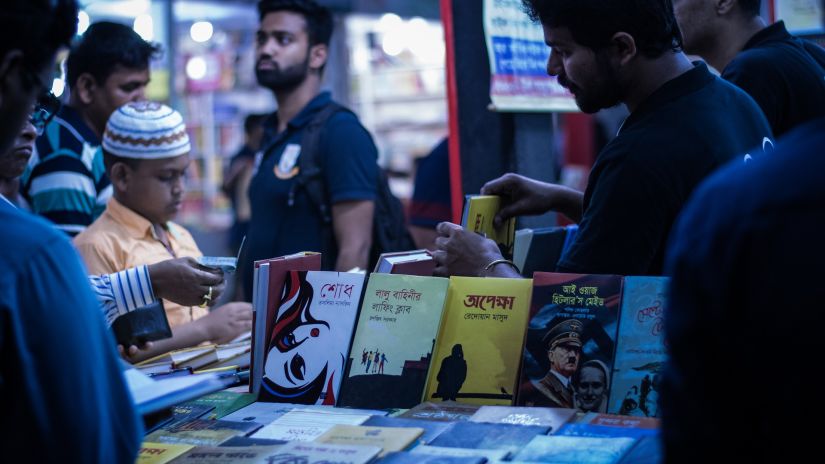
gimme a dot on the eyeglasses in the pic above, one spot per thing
(46, 106)
(45, 109)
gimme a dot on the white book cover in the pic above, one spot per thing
(306, 351)
(306, 424)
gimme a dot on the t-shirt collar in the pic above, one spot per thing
(73, 117)
(772, 33)
(671, 90)
(136, 225)
(304, 116)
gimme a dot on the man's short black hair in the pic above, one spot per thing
(593, 23)
(103, 47)
(318, 18)
(252, 122)
(751, 7)
(38, 28)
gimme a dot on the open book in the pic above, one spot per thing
(154, 395)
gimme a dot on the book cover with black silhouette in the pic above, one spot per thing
(571, 341)
(479, 435)
(478, 349)
(306, 350)
(640, 348)
(397, 327)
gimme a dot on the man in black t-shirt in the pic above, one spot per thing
(784, 74)
(683, 124)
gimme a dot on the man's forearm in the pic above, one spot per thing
(352, 257)
(568, 201)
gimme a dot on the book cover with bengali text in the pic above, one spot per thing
(391, 352)
(306, 350)
(387, 438)
(640, 348)
(571, 340)
(479, 212)
(478, 349)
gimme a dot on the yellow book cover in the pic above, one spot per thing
(387, 438)
(160, 453)
(479, 212)
(478, 351)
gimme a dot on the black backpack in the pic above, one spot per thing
(389, 228)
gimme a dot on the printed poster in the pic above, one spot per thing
(518, 62)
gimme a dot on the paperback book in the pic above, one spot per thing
(479, 212)
(394, 339)
(571, 340)
(478, 349)
(640, 349)
(306, 348)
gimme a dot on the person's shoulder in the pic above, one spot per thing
(26, 235)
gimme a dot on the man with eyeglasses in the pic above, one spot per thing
(66, 181)
(64, 398)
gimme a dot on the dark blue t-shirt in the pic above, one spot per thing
(64, 398)
(784, 74)
(682, 132)
(745, 320)
(348, 159)
(431, 203)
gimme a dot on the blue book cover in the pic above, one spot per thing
(604, 431)
(647, 450)
(640, 348)
(575, 450)
(402, 457)
(432, 429)
(479, 435)
(249, 441)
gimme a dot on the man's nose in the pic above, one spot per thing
(554, 66)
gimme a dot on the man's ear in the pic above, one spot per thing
(10, 65)
(318, 55)
(625, 47)
(120, 174)
(85, 87)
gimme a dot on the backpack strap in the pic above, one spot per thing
(310, 178)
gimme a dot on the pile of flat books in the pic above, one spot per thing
(432, 432)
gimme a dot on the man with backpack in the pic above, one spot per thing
(316, 185)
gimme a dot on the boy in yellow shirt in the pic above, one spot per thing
(146, 153)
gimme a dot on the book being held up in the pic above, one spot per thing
(479, 212)
(414, 262)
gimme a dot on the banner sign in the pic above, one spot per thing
(518, 62)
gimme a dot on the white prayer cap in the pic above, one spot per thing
(146, 130)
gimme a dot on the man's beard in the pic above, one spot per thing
(286, 79)
(603, 92)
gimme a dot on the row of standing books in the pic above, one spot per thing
(437, 432)
(591, 342)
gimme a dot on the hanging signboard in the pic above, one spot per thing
(518, 62)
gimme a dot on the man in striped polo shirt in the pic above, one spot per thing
(66, 181)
